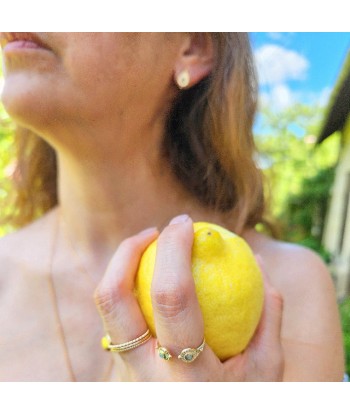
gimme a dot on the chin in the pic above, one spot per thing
(26, 101)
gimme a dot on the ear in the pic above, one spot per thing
(195, 61)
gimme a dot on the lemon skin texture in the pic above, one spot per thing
(229, 288)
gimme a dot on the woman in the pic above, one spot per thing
(145, 128)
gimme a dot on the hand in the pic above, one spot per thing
(178, 319)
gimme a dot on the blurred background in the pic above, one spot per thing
(303, 136)
(302, 131)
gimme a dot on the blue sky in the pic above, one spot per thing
(299, 66)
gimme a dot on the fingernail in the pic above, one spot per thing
(179, 219)
(148, 231)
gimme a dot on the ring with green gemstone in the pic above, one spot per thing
(189, 355)
(163, 352)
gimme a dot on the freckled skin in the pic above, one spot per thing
(87, 79)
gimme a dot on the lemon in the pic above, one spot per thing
(229, 287)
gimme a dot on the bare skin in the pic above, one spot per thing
(110, 190)
(31, 348)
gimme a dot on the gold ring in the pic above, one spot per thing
(189, 355)
(106, 343)
(163, 352)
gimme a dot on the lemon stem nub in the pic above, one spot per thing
(209, 240)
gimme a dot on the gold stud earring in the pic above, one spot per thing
(183, 79)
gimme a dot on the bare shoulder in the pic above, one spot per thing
(25, 301)
(24, 261)
(25, 249)
(291, 267)
(311, 332)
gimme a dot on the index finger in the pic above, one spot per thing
(114, 297)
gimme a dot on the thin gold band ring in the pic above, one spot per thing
(107, 344)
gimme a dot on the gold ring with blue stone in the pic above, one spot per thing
(163, 352)
(189, 355)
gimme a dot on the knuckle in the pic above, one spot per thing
(277, 298)
(105, 299)
(129, 244)
(170, 301)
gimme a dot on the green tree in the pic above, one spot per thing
(305, 213)
(299, 173)
(6, 160)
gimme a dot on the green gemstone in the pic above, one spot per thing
(164, 354)
(189, 357)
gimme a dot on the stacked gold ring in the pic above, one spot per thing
(107, 344)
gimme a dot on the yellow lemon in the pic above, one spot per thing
(229, 287)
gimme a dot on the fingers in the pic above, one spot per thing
(117, 305)
(177, 315)
(269, 330)
(266, 348)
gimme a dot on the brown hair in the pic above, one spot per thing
(208, 142)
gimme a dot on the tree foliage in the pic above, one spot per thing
(345, 320)
(299, 172)
(6, 162)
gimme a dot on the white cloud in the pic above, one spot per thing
(279, 97)
(324, 96)
(319, 98)
(282, 96)
(277, 65)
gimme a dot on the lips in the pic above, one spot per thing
(22, 39)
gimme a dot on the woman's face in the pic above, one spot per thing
(77, 79)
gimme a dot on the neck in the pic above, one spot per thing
(103, 200)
